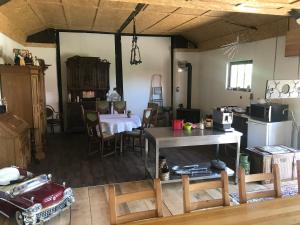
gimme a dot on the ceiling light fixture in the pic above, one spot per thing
(135, 57)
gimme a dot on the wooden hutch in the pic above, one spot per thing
(15, 141)
(24, 89)
(87, 81)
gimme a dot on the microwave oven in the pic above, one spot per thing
(269, 112)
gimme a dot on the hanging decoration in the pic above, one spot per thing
(279, 89)
(135, 57)
(232, 48)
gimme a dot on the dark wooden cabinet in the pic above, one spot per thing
(85, 74)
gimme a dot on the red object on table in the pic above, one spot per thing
(177, 124)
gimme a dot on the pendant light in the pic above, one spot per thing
(135, 57)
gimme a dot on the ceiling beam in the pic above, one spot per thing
(134, 13)
(242, 6)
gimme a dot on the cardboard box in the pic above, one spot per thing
(261, 162)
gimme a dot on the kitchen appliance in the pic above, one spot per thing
(269, 112)
(260, 133)
(177, 124)
(223, 118)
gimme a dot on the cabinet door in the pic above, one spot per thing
(257, 134)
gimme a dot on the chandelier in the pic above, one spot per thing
(135, 57)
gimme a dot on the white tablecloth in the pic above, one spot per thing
(118, 123)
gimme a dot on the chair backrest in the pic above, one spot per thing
(298, 175)
(115, 200)
(92, 122)
(147, 118)
(50, 112)
(119, 107)
(154, 107)
(244, 179)
(103, 107)
(189, 206)
(83, 114)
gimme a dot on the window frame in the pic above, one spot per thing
(228, 81)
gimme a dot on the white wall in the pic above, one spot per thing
(90, 45)
(180, 80)
(156, 59)
(49, 55)
(6, 48)
(211, 74)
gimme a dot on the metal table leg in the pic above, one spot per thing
(237, 162)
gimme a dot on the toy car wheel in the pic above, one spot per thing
(19, 218)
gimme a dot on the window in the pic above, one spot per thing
(239, 76)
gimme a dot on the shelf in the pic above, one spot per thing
(216, 174)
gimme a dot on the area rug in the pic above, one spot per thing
(286, 190)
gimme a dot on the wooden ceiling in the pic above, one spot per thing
(202, 21)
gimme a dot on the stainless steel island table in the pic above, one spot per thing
(166, 137)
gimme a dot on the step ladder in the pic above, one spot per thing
(156, 94)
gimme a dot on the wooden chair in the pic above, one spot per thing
(53, 118)
(115, 200)
(154, 107)
(95, 135)
(119, 107)
(243, 179)
(103, 107)
(189, 206)
(298, 175)
(139, 133)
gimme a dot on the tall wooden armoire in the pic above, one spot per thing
(84, 74)
(24, 89)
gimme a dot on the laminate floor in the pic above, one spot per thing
(66, 161)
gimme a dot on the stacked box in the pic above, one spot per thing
(261, 161)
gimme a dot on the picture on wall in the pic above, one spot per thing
(277, 89)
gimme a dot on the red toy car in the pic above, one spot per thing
(31, 199)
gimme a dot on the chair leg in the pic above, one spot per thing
(52, 129)
(102, 149)
(141, 147)
(133, 144)
(115, 150)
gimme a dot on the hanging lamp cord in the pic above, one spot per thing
(275, 57)
(298, 67)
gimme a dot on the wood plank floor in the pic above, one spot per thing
(66, 160)
(91, 207)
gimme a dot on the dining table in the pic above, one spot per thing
(280, 211)
(118, 124)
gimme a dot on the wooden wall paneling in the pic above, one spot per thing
(276, 28)
(23, 16)
(168, 23)
(82, 16)
(52, 13)
(11, 30)
(110, 21)
(292, 43)
(230, 6)
(144, 20)
(193, 24)
(212, 30)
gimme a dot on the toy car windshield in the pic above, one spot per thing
(29, 184)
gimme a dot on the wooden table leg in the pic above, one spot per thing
(146, 156)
